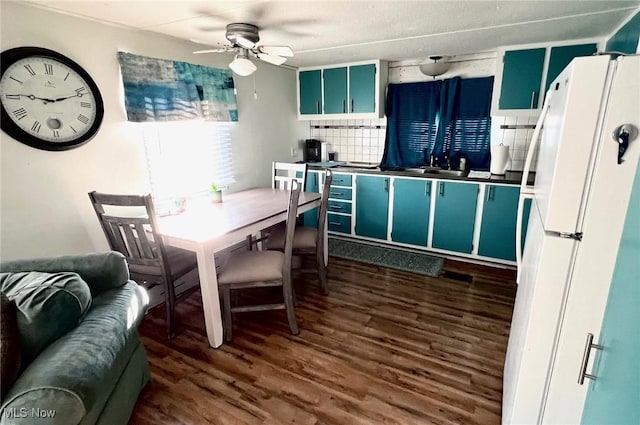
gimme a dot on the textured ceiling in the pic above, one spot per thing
(325, 32)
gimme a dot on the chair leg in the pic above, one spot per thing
(322, 273)
(170, 302)
(227, 316)
(289, 306)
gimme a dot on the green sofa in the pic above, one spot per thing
(94, 371)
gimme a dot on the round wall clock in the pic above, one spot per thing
(48, 100)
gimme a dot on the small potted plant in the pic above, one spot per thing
(216, 193)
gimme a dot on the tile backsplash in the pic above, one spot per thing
(352, 140)
(363, 140)
(515, 132)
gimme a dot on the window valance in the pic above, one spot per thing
(166, 90)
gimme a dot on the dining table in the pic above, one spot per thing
(206, 227)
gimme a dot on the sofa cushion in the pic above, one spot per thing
(77, 374)
(48, 306)
(9, 344)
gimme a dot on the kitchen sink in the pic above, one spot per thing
(443, 172)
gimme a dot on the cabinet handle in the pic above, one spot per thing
(441, 186)
(344, 105)
(488, 196)
(318, 106)
(335, 223)
(335, 207)
(585, 359)
(533, 98)
(427, 188)
(352, 107)
(386, 185)
(336, 193)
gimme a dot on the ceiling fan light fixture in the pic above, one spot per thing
(242, 66)
(435, 68)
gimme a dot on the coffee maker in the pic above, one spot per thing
(312, 150)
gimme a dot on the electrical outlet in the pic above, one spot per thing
(294, 151)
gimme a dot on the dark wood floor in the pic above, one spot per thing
(385, 347)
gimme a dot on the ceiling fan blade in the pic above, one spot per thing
(277, 50)
(245, 43)
(272, 59)
(220, 50)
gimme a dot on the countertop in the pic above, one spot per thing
(511, 177)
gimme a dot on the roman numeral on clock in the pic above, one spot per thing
(48, 69)
(85, 104)
(13, 96)
(36, 126)
(30, 69)
(79, 91)
(56, 134)
(83, 119)
(19, 113)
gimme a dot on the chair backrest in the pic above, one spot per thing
(282, 173)
(324, 206)
(134, 235)
(292, 212)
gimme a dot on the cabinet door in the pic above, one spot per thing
(372, 206)
(562, 55)
(411, 204)
(310, 92)
(521, 78)
(335, 90)
(362, 88)
(313, 185)
(498, 228)
(454, 216)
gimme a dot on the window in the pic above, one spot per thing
(185, 157)
(449, 117)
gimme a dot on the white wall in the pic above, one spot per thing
(44, 207)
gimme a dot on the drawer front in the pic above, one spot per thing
(340, 193)
(341, 179)
(337, 206)
(339, 223)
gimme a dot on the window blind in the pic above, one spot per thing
(185, 158)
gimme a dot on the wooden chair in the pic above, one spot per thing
(135, 235)
(309, 240)
(259, 269)
(282, 173)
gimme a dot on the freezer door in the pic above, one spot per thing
(567, 143)
(539, 301)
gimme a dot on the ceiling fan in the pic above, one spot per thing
(244, 38)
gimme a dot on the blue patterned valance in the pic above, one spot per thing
(165, 90)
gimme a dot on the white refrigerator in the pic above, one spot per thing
(579, 201)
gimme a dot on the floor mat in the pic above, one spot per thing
(386, 257)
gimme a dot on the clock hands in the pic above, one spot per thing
(45, 100)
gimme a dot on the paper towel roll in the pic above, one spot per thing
(499, 159)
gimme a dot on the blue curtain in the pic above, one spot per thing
(412, 123)
(445, 117)
(165, 90)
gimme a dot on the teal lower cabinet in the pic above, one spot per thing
(454, 216)
(411, 205)
(498, 228)
(339, 223)
(372, 206)
(312, 185)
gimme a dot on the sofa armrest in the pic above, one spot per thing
(101, 270)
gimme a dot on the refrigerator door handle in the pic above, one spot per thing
(534, 143)
(521, 200)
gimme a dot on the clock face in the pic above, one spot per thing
(48, 101)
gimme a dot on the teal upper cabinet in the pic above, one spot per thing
(411, 205)
(626, 39)
(335, 90)
(562, 55)
(521, 75)
(454, 216)
(310, 92)
(362, 88)
(372, 206)
(498, 229)
(352, 90)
